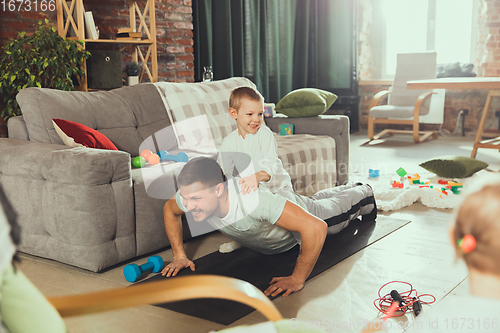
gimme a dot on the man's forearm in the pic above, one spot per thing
(173, 227)
(311, 246)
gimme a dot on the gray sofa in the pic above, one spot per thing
(87, 207)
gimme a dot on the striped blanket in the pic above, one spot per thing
(310, 161)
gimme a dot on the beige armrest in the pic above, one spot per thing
(418, 103)
(416, 114)
(170, 290)
(377, 97)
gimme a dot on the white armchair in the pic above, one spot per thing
(409, 107)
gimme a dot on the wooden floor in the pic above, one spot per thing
(340, 299)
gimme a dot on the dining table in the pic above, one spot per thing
(492, 84)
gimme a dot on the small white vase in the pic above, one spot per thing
(133, 80)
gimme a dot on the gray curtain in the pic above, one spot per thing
(280, 45)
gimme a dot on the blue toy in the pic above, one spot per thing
(180, 157)
(133, 272)
(373, 173)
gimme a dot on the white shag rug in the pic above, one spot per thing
(389, 198)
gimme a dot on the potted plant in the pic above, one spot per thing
(132, 70)
(42, 59)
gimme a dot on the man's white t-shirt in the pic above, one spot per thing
(251, 219)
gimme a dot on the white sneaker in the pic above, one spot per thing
(229, 247)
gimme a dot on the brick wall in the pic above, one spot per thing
(174, 31)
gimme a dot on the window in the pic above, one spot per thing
(446, 26)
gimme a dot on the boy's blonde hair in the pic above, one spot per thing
(479, 216)
(238, 94)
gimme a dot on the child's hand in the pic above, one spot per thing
(248, 184)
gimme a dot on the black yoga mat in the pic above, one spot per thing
(259, 269)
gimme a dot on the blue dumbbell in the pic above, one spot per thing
(133, 272)
(180, 157)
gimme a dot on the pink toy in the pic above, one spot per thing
(145, 153)
(153, 159)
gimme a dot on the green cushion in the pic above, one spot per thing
(306, 102)
(454, 166)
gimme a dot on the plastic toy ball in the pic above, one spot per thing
(153, 159)
(145, 153)
(138, 162)
(163, 155)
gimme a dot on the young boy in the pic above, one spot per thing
(246, 106)
(251, 139)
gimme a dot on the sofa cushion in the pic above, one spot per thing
(126, 115)
(78, 135)
(306, 102)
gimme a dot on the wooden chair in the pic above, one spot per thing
(409, 107)
(170, 290)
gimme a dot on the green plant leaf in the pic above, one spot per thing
(42, 59)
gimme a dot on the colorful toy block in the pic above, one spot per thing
(286, 129)
(401, 172)
(397, 185)
(373, 173)
(442, 181)
(269, 110)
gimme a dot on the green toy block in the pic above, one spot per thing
(401, 172)
(415, 181)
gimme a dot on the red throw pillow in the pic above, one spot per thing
(75, 135)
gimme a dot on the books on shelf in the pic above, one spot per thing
(126, 30)
(90, 28)
(129, 35)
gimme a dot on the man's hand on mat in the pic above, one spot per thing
(248, 184)
(175, 266)
(286, 284)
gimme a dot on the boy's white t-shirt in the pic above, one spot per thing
(261, 147)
